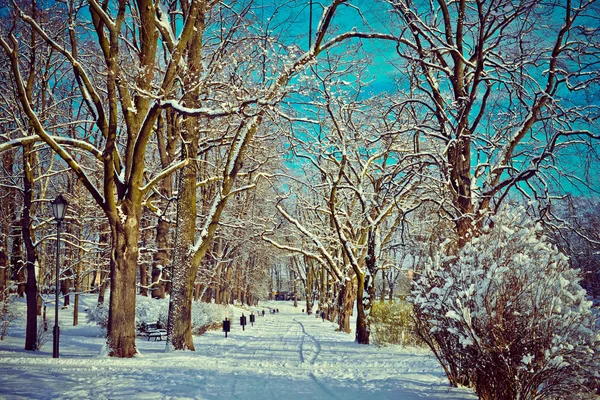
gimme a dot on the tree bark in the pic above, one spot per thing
(7, 213)
(365, 295)
(184, 273)
(26, 230)
(345, 304)
(160, 259)
(308, 287)
(121, 316)
(362, 328)
(66, 284)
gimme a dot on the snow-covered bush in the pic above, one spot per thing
(205, 315)
(149, 310)
(508, 316)
(8, 313)
(98, 314)
(393, 323)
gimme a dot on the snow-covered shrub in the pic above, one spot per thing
(509, 316)
(8, 313)
(206, 315)
(151, 311)
(393, 323)
(98, 314)
(147, 310)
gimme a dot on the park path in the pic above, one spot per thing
(288, 355)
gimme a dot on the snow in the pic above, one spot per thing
(285, 355)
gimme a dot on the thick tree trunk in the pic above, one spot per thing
(121, 316)
(362, 327)
(32, 296)
(459, 158)
(345, 305)
(184, 273)
(180, 318)
(365, 294)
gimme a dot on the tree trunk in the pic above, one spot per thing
(362, 328)
(160, 259)
(217, 285)
(295, 289)
(365, 295)
(238, 285)
(65, 284)
(180, 308)
(459, 157)
(16, 261)
(345, 304)
(78, 281)
(121, 316)
(102, 289)
(41, 281)
(26, 230)
(391, 285)
(184, 273)
(309, 284)
(143, 279)
(7, 205)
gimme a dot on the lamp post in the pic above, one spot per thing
(59, 209)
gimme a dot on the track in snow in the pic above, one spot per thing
(286, 355)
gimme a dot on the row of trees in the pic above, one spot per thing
(170, 118)
(125, 94)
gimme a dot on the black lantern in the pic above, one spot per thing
(59, 209)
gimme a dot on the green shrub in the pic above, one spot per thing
(392, 323)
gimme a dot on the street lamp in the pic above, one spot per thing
(59, 209)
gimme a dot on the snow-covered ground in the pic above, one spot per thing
(288, 355)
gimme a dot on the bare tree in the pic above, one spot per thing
(499, 88)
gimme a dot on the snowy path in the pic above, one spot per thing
(287, 355)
